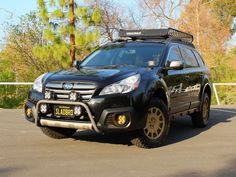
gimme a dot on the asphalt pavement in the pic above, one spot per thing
(190, 152)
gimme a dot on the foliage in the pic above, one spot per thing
(69, 26)
(26, 54)
(114, 18)
(210, 23)
(201, 18)
(18, 49)
(13, 96)
(40, 44)
(162, 12)
(46, 40)
(226, 11)
(10, 96)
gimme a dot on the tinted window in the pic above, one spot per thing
(125, 54)
(199, 59)
(174, 54)
(189, 57)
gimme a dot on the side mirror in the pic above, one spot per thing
(151, 63)
(175, 65)
(76, 63)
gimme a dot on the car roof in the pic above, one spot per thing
(148, 41)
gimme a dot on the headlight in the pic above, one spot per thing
(38, 83)
(124, 86)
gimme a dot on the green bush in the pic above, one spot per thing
(13, 96)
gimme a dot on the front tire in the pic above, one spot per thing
(58, 133)
(156, 128)
(200, 119)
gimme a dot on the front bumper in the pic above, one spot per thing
(40, 121)
(101, 124)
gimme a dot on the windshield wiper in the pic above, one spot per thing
(113, 66)
(106, 66)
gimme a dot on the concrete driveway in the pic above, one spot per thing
(190, 152)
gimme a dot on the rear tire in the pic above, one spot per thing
(58, 133)
(157, 126)
(200, 119)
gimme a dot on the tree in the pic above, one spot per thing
(10, 96)
(113, 18)
(17, 62)
(211, 34)
(70, 28)
(19, 42)
(226, 11)
(199, 18)
(162, 12)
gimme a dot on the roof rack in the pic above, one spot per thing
(166, 34)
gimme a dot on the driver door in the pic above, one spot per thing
(177, 82)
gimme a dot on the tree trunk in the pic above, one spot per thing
(72, 33)
(197, 24)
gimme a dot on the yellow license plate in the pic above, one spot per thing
(64, 111)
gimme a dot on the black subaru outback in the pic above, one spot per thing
(137, 84)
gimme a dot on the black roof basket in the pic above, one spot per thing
(168, 33)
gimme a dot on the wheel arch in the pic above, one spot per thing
(159, 89)
(206, 89)
(160, 93)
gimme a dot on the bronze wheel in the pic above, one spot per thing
(156, 126)
(155, 123)
(205, 110)
(201, 118)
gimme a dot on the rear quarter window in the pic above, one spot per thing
(189, 57)
(199, 58)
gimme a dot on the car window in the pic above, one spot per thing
(189, 57)
(199, 58)
(174, 54)
(135, 55)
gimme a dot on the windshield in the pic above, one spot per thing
(125, 54)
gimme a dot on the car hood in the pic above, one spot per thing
(93, 74)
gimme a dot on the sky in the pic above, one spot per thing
(10, 10)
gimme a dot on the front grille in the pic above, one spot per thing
(85, 90)
(108, 120)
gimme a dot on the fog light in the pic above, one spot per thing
(73, 96)
(120, 120)
(48, 95)
(28, 112)
(77, 110)
(43, 108)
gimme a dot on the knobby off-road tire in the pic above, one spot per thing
(200, 119)
(157, 126)
(58, 133)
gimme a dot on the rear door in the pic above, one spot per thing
(194, 75)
